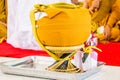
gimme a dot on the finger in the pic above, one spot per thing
(85, 5)
(94, 9)
(107, 36)
(91, 8)
(74, 1)
(91, 12)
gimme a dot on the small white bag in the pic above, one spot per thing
(84, 60)
(87, 63)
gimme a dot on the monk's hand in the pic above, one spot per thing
(95, 5)
(74, 1)
(92, 5)
(86, 3)
(107, 32)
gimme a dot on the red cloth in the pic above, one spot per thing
(6, 50)
(110, 52)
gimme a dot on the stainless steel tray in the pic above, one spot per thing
(35, 66)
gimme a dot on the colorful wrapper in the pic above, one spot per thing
(85, 61)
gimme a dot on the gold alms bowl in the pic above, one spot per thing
(61, 32)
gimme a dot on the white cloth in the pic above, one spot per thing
(19, 26)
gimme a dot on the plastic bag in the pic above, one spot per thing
(84, 60)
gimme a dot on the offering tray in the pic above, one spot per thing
(35, 66)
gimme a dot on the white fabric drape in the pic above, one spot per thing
(19, 25)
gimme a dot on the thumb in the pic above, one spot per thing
(94, 9)
(91, 8)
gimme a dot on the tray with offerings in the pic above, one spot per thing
(35, 66)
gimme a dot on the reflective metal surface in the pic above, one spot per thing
(35, 66)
